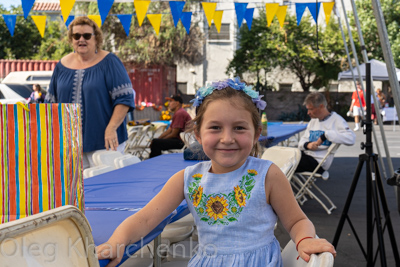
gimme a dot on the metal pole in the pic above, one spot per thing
(377, 108)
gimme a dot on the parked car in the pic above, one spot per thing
(29, 78)
(13, 93)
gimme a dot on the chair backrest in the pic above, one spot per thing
(125, 160)
(331, 150)
(286, 158)
(187, 138)
(105, 157)
(58, 237)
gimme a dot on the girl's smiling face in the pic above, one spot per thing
(227, 134)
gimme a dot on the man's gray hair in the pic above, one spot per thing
(315, 99)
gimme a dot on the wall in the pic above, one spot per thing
(9, 65)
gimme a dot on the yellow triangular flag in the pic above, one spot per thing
(66, 7)
(40, 22)
(328, 10)
(281, 14)
(218, 19)
(270, 11)
(141, 10)
(96, 19)
(209, 10)
(155, 20)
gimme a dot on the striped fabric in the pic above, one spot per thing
(40, 159)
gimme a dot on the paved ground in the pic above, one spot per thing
(337, 187)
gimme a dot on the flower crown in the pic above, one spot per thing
(234, 84)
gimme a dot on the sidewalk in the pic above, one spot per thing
(337, 188)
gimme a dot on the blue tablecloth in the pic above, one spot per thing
(112, 197)
(278, 132)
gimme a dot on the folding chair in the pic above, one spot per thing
(143, 146)
(289, 258)
(58, 237)
(286, 158)
(187, 138)
(303, 182)
(133, 137)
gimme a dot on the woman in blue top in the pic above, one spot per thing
(235, 198)
(98, 81)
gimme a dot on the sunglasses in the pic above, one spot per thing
(86, 36)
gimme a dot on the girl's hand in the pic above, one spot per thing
(113, 252)
(313, 246)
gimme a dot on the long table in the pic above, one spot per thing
(112, 197)
(279, 132)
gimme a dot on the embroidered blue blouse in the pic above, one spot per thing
(98, 89)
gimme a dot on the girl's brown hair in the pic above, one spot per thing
(98, 34)
(235, 97)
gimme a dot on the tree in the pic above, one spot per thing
(26, 40)
(293, 47)
(391, 13)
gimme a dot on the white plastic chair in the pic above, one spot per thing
(133, 137)
(286, 158)
(125, 160)
(96, 170)
(187, 138)
(149, 132)
(304, 182)
(289, 258)
(46, 240)
(105, 157)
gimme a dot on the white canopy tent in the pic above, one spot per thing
(378, 71)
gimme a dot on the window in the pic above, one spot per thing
(224, 33)
(182, 87)
(23, 90)
(333, 87)
(38, 78)
(285, 87)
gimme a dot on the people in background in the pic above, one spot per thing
(325, 127)
(98, 81)
(356, 107)
(382, 97)
(170, 139)
(37, 95)
(235, 198)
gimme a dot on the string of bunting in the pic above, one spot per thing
(141, 6)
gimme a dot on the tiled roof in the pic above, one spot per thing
(41, 6)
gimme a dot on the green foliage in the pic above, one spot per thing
(391, 13)
(293, 47)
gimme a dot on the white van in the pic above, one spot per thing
(29, 78)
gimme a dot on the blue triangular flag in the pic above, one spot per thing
(27, 6)
(240, 12)
(126, 22)
(104, 7)
(186, 18)
(248, 16)
(314, 10)
(176, 10)
(300, 7)
(69, 20)
(10, 22)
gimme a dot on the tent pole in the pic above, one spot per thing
(377, 108)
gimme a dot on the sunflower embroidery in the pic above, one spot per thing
(252, 172)
(240, 196)
(197, 176)
(198, 193)
(217, 207)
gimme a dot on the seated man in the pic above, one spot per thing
(323, 129)
(170, 139)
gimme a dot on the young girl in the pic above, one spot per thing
(235, 198)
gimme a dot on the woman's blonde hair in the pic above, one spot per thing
(235, 97)
(98, 34)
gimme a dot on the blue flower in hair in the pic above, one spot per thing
(260, 104)
(249, 91)
(236, 84)
(220, 84)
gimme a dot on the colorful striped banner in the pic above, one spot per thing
(40, 159)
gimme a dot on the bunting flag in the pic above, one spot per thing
(314, 10)
(27, 6)
(248, 16)
(270, 11)
(10, 21)
(218, 19)
(66, 7)
(300, 8)
(155, 20)
(96, 19)
(186, 19)
(141, 10)
(209, 9)
(69, 20)
(328, 10)
(40, 22)
(104, 7)
(281, 14)
(126, 21)
(240, 9)
(176, 10)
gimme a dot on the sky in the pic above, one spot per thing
(7, 3)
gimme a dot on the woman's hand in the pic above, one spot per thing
(111, 138)
(313, 246)
(113, 252)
